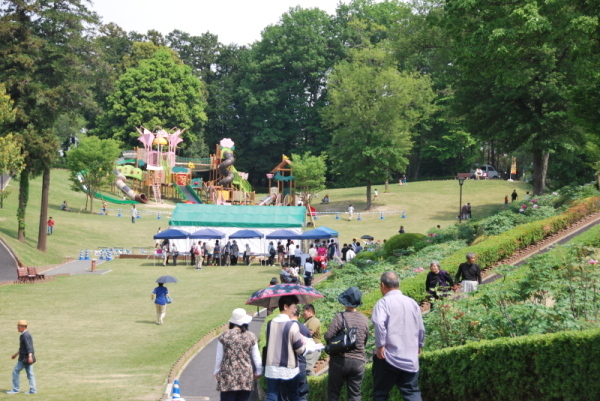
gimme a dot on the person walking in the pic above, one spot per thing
(399, 337)
(309, 271)
(50, 225)
(199, 255)
(134, 214)
(237, 350)
(348, 368)
(514, 196)
(159, 296)
(175, 253)
(284, 344)
(470, 273)
(26, 359)
(350, 212)
(314, 326)
(376, 195)
(235, 253)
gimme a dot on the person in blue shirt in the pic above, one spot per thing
(159, 295)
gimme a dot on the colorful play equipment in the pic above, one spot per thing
(120, 183)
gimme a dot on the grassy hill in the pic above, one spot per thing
(95, 335)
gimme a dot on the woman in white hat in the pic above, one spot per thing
(236, 350)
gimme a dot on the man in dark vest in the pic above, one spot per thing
(26, 359)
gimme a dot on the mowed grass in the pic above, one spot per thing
(426, 204)
(95, 336)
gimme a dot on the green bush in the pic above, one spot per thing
(367, 255)
(548, 367)
(401, 242)
(502, 246)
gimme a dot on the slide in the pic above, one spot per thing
(107, 198)
(228, 176)
(120, 183)
(189, 194)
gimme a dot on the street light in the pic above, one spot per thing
(461, 181)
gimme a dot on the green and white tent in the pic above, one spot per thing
(229, 219)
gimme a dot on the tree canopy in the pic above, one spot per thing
(158, 92)
(373, 110)
(91, 165)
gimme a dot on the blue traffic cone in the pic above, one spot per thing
(176, 396)
(337, 216)
(139, 216)
(158, 217)
(403, 215)
(87, 254)
(119, 213)
(381, 216)
(81, 255)
(359, 217)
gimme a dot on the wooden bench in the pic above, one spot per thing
(22, 275)
(34, 275)
(464, 175)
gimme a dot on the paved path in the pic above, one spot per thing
(77, 267)
(8, 264)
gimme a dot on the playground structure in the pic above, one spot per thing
(282, 188)
(155, 169)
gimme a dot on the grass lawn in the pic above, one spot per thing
(95, 336)
(426, 204)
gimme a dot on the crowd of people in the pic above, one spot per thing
(293, 348)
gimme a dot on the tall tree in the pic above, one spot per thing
(284, 88)
(373, 110)
(516, 69)
(45, 61)
(11, 158)
(158, 92)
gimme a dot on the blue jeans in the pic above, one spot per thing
(49, 230)
(386, 376)
(288, 388)
(15, 379)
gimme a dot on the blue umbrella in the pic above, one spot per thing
(207, 233)
(244, 234)
(284, 234)
(172, 233)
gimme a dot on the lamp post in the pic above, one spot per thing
(461, 181)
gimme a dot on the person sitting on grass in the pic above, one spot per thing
(64, 207)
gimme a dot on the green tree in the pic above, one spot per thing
(91, 165)
(46, 62)
(516, 66)
(11, 158)
(158, 92)
(373, 109)
(309, 172)
(284, 89)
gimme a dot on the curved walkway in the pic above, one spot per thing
(8, 263)
(197, 381)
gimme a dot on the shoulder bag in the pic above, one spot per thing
(344, 342)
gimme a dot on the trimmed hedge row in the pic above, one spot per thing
(561, 366)
(502, 246)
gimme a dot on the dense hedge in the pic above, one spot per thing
(401, 241)
(562, 366)
(502, 246)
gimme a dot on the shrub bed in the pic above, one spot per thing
(502, 246)
(548, 367)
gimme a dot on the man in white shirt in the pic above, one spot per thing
(350, 212)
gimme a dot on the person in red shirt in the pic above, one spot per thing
(50, 225)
